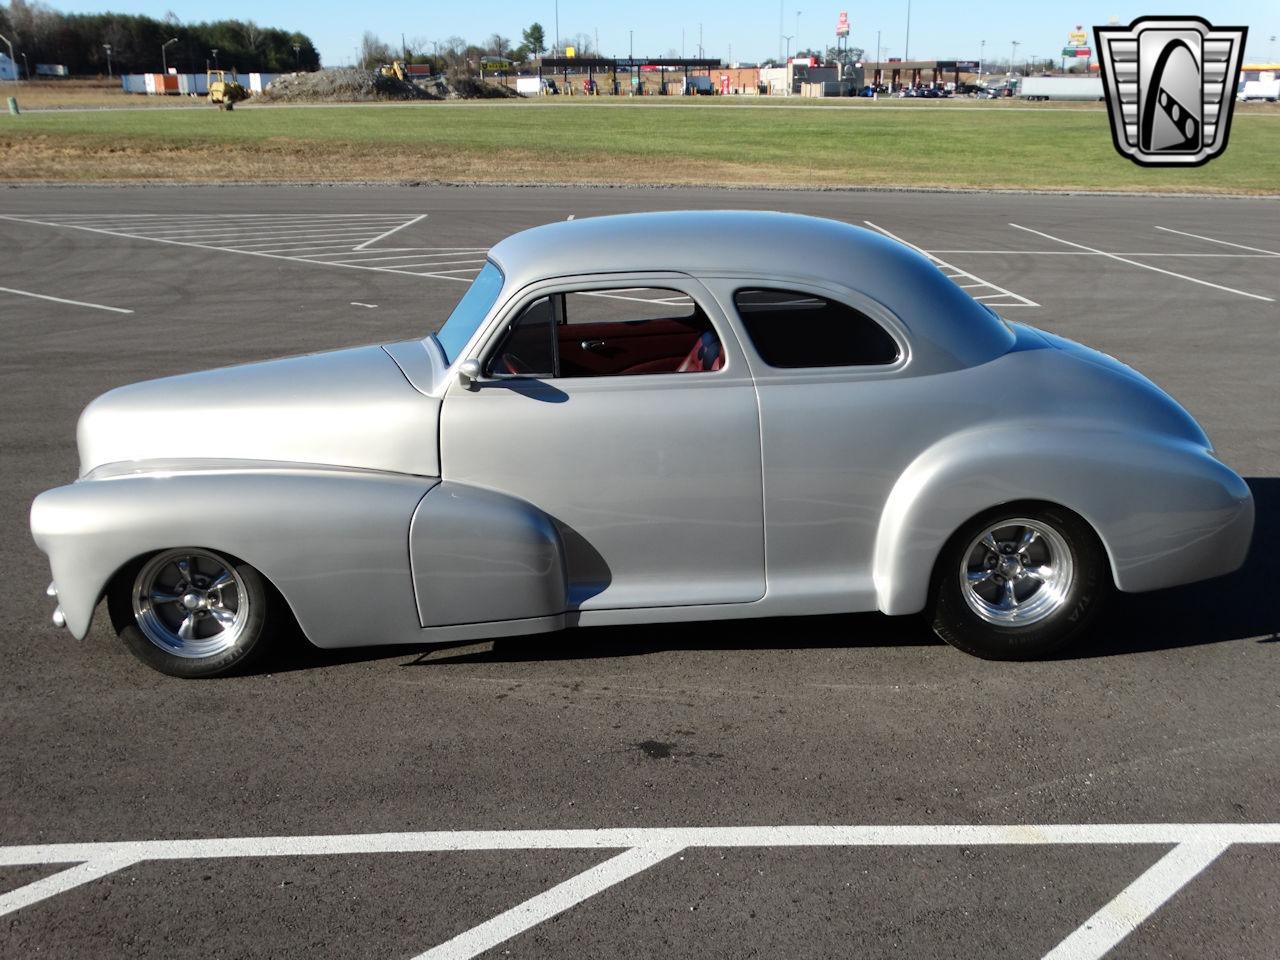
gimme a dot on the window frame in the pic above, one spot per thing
(490, 345)
(726, 288)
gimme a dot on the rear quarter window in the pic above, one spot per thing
(792, 330)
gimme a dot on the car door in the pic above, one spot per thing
(623, 409)
(840, 421)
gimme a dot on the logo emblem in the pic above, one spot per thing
(1170, 85)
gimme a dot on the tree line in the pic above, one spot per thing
(80, 42)
(458, 55)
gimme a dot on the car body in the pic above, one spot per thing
(450, 489)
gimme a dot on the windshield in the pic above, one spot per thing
(470, 312)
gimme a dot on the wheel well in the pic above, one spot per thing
(121, 579)
(1020, 506)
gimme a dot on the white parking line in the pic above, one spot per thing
(61, 882)
(1131, 906)
(1227, 243)
(277, 249)
(74, 303)
(383, 236)
(1015, 300)
(1195, 846)
(1145, 266)
(1121, 253)
(546, 905)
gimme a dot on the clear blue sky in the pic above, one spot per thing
(938, 29)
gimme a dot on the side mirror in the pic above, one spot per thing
(468, 373)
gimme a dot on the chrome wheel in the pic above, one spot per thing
(190, 603)
(1017, 573)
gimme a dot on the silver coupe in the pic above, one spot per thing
(644, 419)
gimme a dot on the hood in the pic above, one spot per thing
(347, 408)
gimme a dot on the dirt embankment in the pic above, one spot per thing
(363, 86)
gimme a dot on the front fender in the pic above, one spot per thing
(333, 542)
(1165, 510)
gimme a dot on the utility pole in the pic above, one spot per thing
(557, 46)
(107, 47)
(631, 55)
(164, 62)
(982, 57)
(297, 50)
(700, 41)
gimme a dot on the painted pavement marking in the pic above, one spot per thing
(1193, 848)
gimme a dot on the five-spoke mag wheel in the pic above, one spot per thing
(190, 611)
(1018, 572)
(190, 603)
(1019, 583)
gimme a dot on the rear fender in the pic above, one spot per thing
(1153, 501)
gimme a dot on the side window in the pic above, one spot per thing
(528, 349)
(791, 330)
(610, 333)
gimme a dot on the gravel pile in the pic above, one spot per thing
(341, 86)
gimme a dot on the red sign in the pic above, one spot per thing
(1083, 52)
(842, 25)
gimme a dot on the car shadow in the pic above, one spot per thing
(1241, 606)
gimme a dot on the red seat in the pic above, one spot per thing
(705, 356)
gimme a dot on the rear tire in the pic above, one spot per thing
(191, 612)
(1019, 583)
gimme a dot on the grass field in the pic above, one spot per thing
(622, 142)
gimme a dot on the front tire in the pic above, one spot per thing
(1019, 583)
(191, 612)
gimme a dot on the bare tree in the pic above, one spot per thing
(499, 45)
(373, 51)
(252, 34)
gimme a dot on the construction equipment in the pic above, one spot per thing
(394, 69)
(226, 93)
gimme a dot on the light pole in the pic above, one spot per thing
(982, 57)
(780, 28)
(215, 58)
(297, 52)
(557, 46)
(164, 61)
(906, 49)
(1014, 55)
(787, 56)
(631, 55)
(26, 67)
(798, 12)
(107, 47)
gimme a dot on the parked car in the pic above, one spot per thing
(747, 415)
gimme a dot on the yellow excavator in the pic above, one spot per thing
(394, 69)
(225, 93)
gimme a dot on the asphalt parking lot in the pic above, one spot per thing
(628, 792)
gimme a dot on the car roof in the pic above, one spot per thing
(941, 319)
